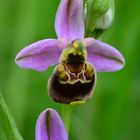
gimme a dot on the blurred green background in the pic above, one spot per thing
(114, 111)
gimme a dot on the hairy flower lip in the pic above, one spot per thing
(71, 91)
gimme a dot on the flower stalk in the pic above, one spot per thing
(7, 122)
(66, 115)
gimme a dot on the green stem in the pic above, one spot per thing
(66, 115)
(8, 122)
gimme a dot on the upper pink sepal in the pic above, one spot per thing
(69, 22)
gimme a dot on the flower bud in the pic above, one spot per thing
(94, 10)
(105, 20)
(49, 126)
(100, 6)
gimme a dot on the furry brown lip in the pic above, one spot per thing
(72, 89)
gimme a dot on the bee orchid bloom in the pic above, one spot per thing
(49, 126)
(77, 58)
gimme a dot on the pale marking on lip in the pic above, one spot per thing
(77, 79)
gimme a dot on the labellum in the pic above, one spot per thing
(73, 78)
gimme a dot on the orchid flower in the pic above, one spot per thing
(77, 59)
(49, 126)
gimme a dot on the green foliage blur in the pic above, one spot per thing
(114, 111)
